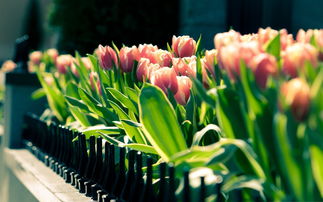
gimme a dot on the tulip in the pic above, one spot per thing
(248, 50)
(93, 78)
(63, 62)
(53, 54)
(147, 51)
(266, 35)
(162, 57)
(285, 39)
(249, 37)
(74, 70)
(296, 94)
(127, 57)
(305, 37)
(226, 38)
(184, 46)
(263, 66)
(35, 57)
(8, 66)
(296, 55)
(183, 93)
(165, 78)
(145, 69)
(209, 60)
(87, 63)
(107, 57)
(185, 66)
(229, 57)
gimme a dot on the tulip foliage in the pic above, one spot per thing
(249, 110)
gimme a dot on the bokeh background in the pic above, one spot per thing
(81, 25)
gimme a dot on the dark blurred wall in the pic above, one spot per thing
(208, 17)
(128, 22)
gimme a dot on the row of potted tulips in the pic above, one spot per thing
(248, 111)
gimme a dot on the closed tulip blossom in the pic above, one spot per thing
(53, 54)
(107, 57)
(8, 66)
(317, 34)
(183, 92)
(165, 78)
(87, 63)
(226, 38)
(63, 62)
(296, 95)
(127, 57)
(93, 79)
(209, 60)
(184, 46)
(35, 57)
(296, 56)
(145, 69)
(263, 66)
(185, 66)
(147, 51)
(163, 58)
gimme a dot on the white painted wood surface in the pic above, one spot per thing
(24, 178)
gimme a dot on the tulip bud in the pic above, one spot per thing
(209, 60)
(145, 69)
(127, 57)
(226, 38)
(63, 62)
(184, 46)
(74, 70)
(263, 66)
(35, 57)
(183, 92)
(107, 57)
(296, 94)
(53, 54)
(165, 78)
(296, 55)
(266, 35)
(163, 58)
(8, 66)
(87, 63)
(185, 66)
(229, 59)
(93, 78)
(305, 37)
(147, 51)
(285, 39)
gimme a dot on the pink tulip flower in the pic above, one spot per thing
(183, 92)
(263, 66)
(35, 57)
(162, 57)
(296, 94)
(107, 57)
(145, 69)
(165, 78)
(226, 38)
(184, 46)
(63, 62)
(296, 55)
(127, 57)
(185, 66)
(53, 54)
(209, 60)
(147, 51)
